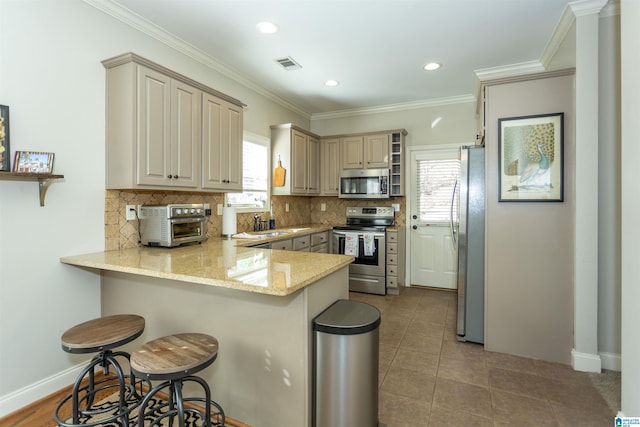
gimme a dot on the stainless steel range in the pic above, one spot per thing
(364, 237)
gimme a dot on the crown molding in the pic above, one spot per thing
(394, 107)
(135, 21)
(586, 7)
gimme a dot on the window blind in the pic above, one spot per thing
(436, 179)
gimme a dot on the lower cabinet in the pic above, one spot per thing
(316, 242)
(395, 260)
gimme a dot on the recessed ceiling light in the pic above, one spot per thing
(432, 66)
(331, 83)
(267, 27)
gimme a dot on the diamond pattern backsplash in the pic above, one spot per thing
(121, 234)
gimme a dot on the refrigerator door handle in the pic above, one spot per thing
(454, 238)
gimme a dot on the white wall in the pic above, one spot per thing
(630, 211)
(53, 81)
(428, 125)
(609, 229)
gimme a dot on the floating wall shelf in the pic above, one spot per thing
(44, 180)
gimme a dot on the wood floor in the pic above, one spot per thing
(40, 413)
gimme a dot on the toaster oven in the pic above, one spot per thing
(172, 225)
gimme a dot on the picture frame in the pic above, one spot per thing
(531, 150)
(33, 162)
(5, 152)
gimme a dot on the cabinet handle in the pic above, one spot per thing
(169, 176)
(176, 176)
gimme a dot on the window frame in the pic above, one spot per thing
(265, 142)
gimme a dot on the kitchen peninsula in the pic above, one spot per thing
(258, 303)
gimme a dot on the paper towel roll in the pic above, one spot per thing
(229, 223)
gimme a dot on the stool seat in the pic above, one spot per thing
(174, 356)
(103, 333)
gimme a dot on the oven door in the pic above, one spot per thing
(185, 230)
(364, 264)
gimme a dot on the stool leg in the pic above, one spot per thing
(177, 391)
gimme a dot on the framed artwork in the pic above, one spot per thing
(531, 158)
(33, 162)
(5, 157)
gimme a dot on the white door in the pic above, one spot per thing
(433, 259)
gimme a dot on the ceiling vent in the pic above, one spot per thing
(288, 63)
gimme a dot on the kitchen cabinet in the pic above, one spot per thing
(395, 260)
(283, 245)
(299, 153)
(154, 126)
(396, 175)
(302, 243)
(365, 151)
(329, 166)
(221, 144)
(320, 242)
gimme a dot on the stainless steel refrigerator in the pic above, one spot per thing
(470, 242)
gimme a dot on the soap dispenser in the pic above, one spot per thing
(272, 219)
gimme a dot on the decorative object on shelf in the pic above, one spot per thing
(279, 174)
(5, 157)
(33, 162)
(531, 158)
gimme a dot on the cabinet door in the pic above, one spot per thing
(329, 166)
(221, 145)
(376, 151)
(352, 152)
(154, 129)
(185, 135)
(313, 166)
(299, 172)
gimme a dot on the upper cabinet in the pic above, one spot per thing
(329, 166)
(365, 151)
(221, 144)
(162, 133)
(298, 151)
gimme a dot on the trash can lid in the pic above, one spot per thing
(347, 317)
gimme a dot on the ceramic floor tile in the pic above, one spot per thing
(401, 411)
(441, 417)
(425, 363)
(459, 396)
(409, 383)
(428, 378)
(511, 409)
(518, 382)
(470, 371)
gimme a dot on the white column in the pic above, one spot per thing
(585, 355)
(630, 177)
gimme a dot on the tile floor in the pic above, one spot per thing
(428, 378)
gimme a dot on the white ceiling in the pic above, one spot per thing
(374, 48)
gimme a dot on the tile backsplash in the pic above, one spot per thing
(121, 234)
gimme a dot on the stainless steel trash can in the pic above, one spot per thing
(345, 374)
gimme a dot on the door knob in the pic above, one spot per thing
(415, 227)
(415, 217)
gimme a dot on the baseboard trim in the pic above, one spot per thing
(585, 362)
(36, 391)
(611, 361)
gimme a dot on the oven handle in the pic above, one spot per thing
(186, 220)
(360, 234)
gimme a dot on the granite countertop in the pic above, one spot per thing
(259, 237)
(223, 263)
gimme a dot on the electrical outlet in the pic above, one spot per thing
(323, 207)
(131, 212)
(219, 209)
(286, 207)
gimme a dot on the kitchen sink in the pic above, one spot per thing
(271, 234)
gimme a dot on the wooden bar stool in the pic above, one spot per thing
(173, 359)
(100, 336)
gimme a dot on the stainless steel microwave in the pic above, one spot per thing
(364, 184)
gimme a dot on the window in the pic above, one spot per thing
(436, 179)
(256, 158)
